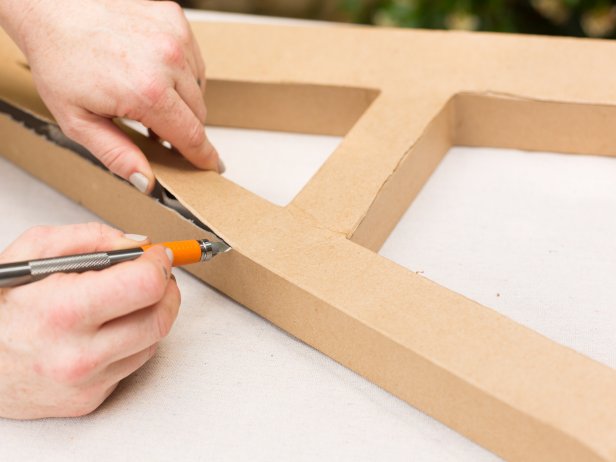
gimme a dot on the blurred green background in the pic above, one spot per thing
(590, 18)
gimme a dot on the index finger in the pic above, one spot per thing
(97, 297)
(172, 120)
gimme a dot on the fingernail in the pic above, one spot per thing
(136, 237)
(139, 181)
(169, 253)
(221, 166)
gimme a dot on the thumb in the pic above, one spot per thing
(56, 241)
(112, 147)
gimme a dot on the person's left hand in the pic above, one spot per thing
(93, 60)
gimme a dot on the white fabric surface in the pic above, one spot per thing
(530, 235)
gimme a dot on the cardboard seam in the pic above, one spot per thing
(304, 215)
(401, 160)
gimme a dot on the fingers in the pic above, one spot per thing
(54, 241)
(130, 334)
(123, 368)
(170, 103)
(96, 297)
(189, 90)
(112, 147)
(173, 120)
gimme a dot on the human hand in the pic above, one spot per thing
(67, 340)
(93, 60)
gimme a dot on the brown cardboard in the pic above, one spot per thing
(403, 97)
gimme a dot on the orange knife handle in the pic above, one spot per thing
(184, 252)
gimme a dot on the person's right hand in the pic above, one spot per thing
(67, 340)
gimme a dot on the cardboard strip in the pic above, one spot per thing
(535, 125)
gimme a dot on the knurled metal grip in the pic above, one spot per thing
(72, 264)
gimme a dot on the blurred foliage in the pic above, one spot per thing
(592, 18)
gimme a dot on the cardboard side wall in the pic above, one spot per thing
(300, 108)
(520, 123)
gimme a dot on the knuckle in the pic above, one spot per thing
(168, 310)
(152, 350)
(171, 50)
(113, 157)
(172, 8)
(165, 317)
(71, 129)
(74, 369)
(201, 113)
(151, 282)
(126, 110)
(185, 36)
(185, 33)
(74, 127)
(63, 317)
(86, 401)
(175, 293)
(196, 136)
(132, 106)
(150, 93)
(36, 232)
(180, 27)
(82, 410)
(98, 230)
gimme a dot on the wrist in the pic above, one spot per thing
(16, 19)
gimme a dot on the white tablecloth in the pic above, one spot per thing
(531, 235)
